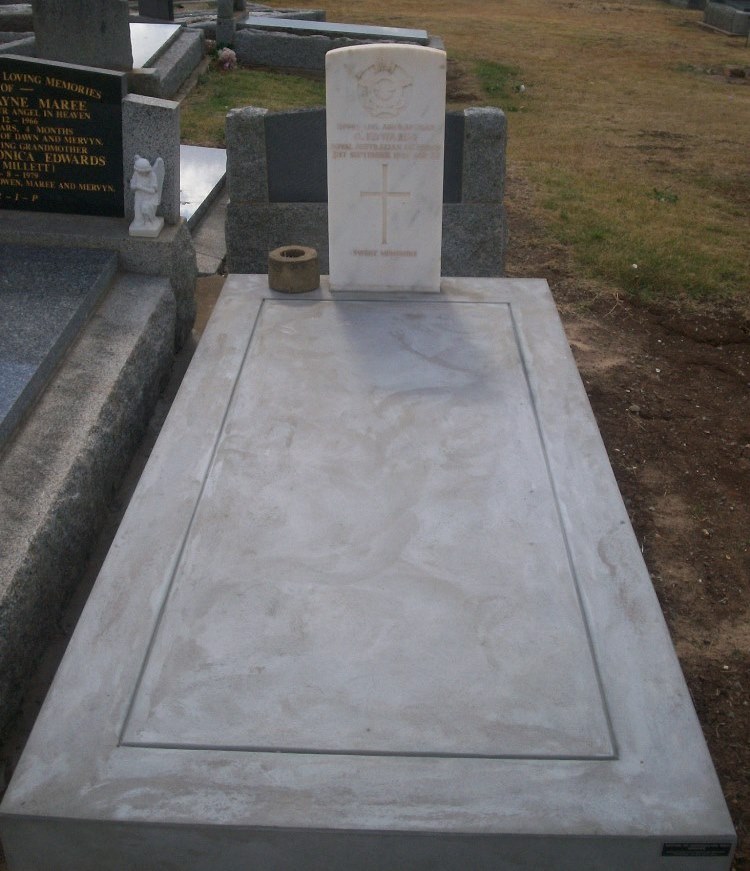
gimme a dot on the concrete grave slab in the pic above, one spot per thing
(379, 606)
(45, 296)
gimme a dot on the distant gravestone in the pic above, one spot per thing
(93, 33)
(60, 138)
(225, 22)
(159, 9)
(385, 132)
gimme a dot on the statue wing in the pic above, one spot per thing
(159, 170)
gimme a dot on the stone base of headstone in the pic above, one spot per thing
(378, 605)
(274, 196)
(150, 231)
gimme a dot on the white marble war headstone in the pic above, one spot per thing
(385, 134)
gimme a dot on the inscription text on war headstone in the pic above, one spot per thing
(60, 138)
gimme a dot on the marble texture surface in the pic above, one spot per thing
(385, 120)
(377, 605)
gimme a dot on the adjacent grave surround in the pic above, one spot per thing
(66, 457)
(69, 139)
(74, 137)
(46, 294)
(162, 56)
(297, 44)
(278, 190)
(732, 18)
(65, 450)
(378, 606)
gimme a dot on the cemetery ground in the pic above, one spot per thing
(627, 148)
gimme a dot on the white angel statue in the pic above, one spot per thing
(147, 182)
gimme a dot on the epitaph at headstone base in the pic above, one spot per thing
(380, 606)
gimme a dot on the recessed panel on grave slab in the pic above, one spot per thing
(60, 138)
(377, 605)
(385, 127)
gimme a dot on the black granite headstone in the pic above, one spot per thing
(60, 138)
(296, 158)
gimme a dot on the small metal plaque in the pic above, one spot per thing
(700, 850)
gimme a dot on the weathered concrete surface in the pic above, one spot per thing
(59, 470)
(378, 605)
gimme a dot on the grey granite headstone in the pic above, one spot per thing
(93, 33)
(45, 296)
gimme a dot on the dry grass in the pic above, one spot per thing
(637, 154)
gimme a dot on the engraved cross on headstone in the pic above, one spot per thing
(384, 193)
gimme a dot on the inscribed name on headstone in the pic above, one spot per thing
(60, 138)
(385, 131)
(93, 33)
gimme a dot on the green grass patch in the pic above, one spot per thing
(501, 84)
(638, 241)
(204, 110)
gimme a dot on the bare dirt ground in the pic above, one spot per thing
(670, 389)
